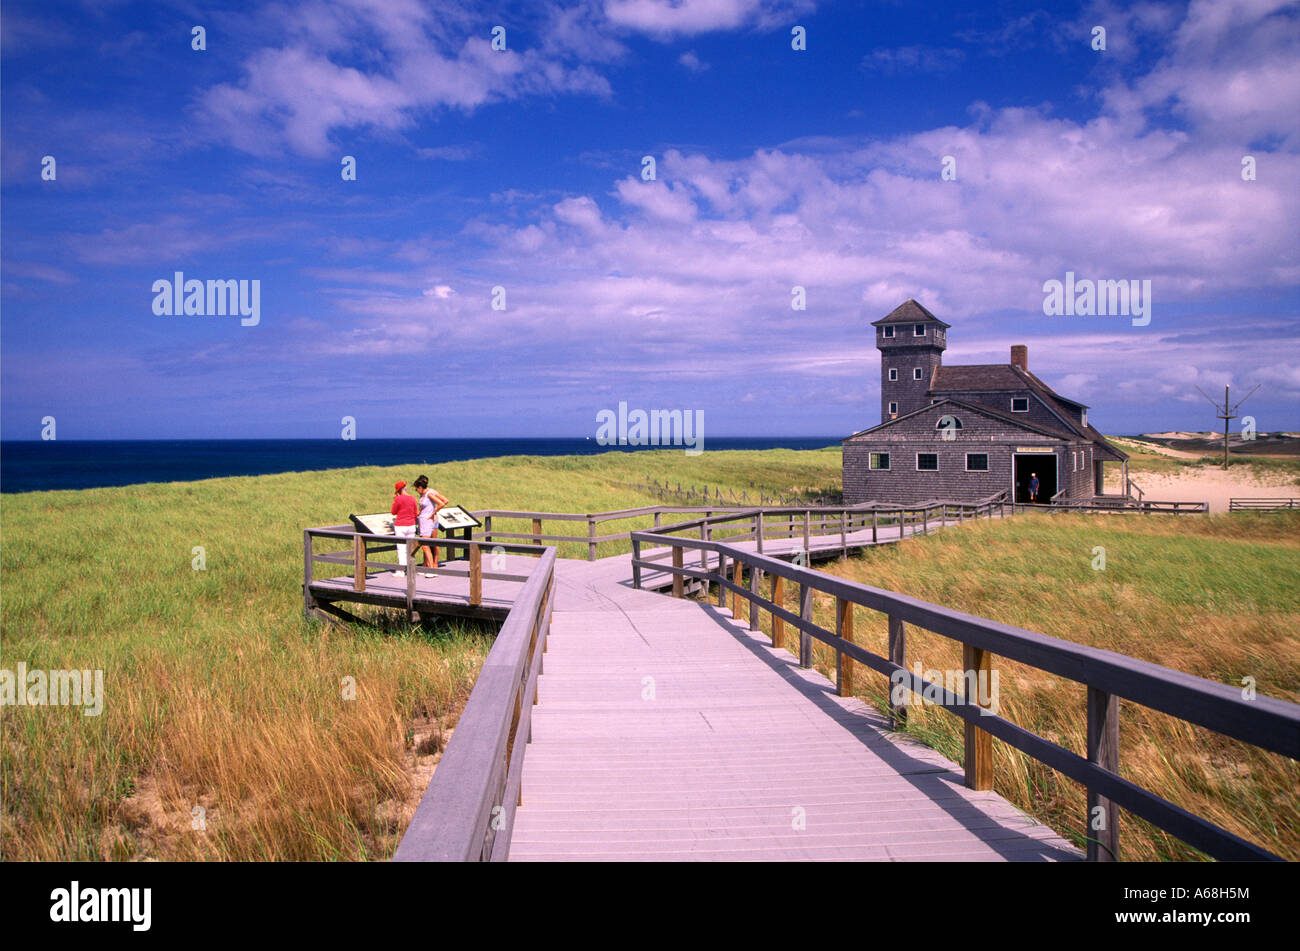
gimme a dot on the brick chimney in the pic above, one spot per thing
(1020, 357)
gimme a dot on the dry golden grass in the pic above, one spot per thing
(1217, 597)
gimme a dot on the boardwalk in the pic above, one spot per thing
(666, 730)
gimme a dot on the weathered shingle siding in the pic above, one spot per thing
(1038, 415)
(902, 483)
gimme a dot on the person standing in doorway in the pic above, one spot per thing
(1033, 487)
(431, 500)
(404, 515)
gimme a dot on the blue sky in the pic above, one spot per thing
(521, 168)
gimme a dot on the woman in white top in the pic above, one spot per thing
(430, 502)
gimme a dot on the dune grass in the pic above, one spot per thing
(1218, 597)
(220, 697)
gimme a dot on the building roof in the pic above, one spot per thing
(1020, 423)
(909, 312)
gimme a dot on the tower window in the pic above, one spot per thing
(893, 409)
(927, 461)
(888, 330)
(1020, 404)
(893, 375)
(916, 373)
(977, 462)
(918, 330)
(879, 460)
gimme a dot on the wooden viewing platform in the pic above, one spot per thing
(612, 722)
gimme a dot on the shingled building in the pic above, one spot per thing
(968, 432)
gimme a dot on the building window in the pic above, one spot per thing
(927, 461)
(879, 460)
(888, 330)
(1020, 404)
(948, 422)
(916, 373)
(893, 409)
(918, 330)
(977, 462)
(893, 375)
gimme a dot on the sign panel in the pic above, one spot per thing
(380, 524)
(453, 516)
(1035, 449)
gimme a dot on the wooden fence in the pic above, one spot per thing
(468, 811)
(1262, 505)
(1267, 723)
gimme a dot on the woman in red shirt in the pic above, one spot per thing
(404, 512)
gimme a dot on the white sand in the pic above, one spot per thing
(1216, 486)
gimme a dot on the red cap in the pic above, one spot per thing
(399, 486)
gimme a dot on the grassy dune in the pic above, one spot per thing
(222, 699)
(1218, 597)
(219, 696)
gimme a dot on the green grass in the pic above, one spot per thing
(218, 694)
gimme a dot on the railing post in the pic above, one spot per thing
(591, 538)
(487, 528)
(758, 531)
(537, 533)
(475, 574)
(358, 563)
(706, 534)
(677, 578)
(308, 602)
(1103, 749)
(898, 655)
(843, 662)
(807, 543)
(844, 534)
(874, 520)
(778, 599)
(636, 568)
(657, 515)
(722, 573)
(754, 577)
(410, 576)
(925, 521)
(738, 577)
(805, 613)
(979, 743)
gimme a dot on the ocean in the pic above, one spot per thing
(30, 466)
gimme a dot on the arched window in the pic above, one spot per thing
(948, 422)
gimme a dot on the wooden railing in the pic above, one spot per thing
(468, 811)
(356, 559)
(1267, 723)
(1122, 504)
(591, 519)
(1262, 505)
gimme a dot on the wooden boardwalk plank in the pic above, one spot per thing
(728, 751)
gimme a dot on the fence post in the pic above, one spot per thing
(537, 533)
(410, 576)
(758, 531)
(657, 516)
(591, 538)
(706, 534)
(979, 744)
(358, 563)
(874, 518)
(807, 544)
(677, 578)
(805, 613)
(778, 599)
(722, 573)
(487, 528)
(636, 567)
(738, 577)
(308, 602)
(925, 521)
(844, 534)
(898, 655)
(475, 574)
(843, 662)
(754, 577)
(1103, 749)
